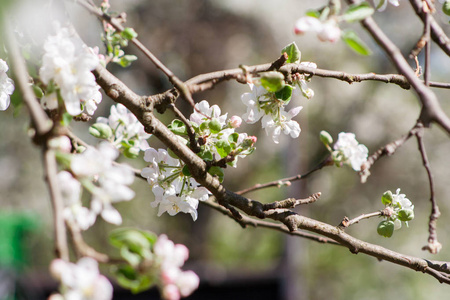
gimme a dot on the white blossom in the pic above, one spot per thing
(6, 86)
(126, 127)
(81, 281)
(109, 181)
(284, 124)
(327, 31)
(349, 151)
(68, 62)
(252, 101)
(401, 201)
(205, 111)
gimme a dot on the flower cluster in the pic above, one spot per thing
(123, 130)
(174, 190)
(152, 260)
(66, 70)
(267, 106)
(80, 281)
(6, 86)
(347, 150)
(217, 136)
(174, 283)
(327, 31)
(398, 209)
(95, 170)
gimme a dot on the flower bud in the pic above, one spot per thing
(387, 198)
(325, 138)
(235, 121)
(101, 131)
(131, 152)
(386, 228)
(61, 143)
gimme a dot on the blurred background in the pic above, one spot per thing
(198, 36)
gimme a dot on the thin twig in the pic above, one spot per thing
(51, 169)
(386, 150)
(244, 221)
(193, 143)
(39, 118)
(286, 181)
(292, 202)
(433, 244)
(346, 222)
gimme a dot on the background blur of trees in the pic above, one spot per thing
(198, 36)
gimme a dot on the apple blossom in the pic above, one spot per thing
(81, 281)
(6, 86)
(252, 101)
(128, 132)
(349, 151)
(285, 124)
(68, 63)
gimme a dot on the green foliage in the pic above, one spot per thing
(216, 171)
(355, 43)
(272, 81)
(387, 198)
(177, 127)
(294, 54)
(358, 12)
(285, 93)
(386, 228)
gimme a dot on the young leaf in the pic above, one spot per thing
(386, 228)
(358, 12)
(355, 43)
(177, 127)
(128, 33)
(294, 54)
(387, 198)
(272, 81)
(285, 93)
(217, 172)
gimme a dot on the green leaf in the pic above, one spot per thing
(66, 119)
(285, 93)
(129, 33)
(129, 278)
(272, 81)
(313, 13)
(380, 4)
(132, 258)
(387, 198)
(38, 91)
(385, 228)
(186, 171)
(326, 138)
(233, 138)
(358, 12)
(216, 171)
(214, 126)
(294, 54)
(131, 152)
(446, 7)
(206, 155)
(355, 43)
(100, 130)
(136, 241)
(178, 127)
(126, 60)
(405, 215)
(223, 148)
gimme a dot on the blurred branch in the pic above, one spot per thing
(386, 150)
(433, 244)
(286, 181)
(431, 109)
(41, 122)
(292, 202)
(437, 33)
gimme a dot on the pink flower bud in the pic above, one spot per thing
(235, 121)
(307, 24)
(253, 139)
(330, 32)
(171, 292)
